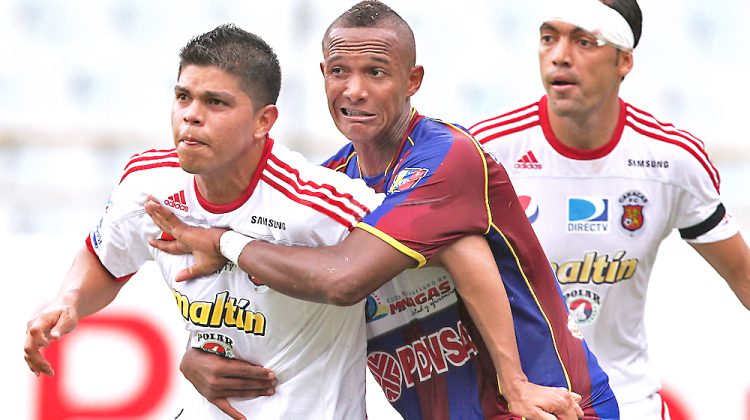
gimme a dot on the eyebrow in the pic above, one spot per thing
(206, 94)
(380, 58)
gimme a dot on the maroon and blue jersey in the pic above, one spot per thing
(423, 347)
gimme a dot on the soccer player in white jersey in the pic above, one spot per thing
(227, 171)
(604, 183)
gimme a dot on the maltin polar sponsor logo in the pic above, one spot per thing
(216, 343)
(588, 215)
(584, 305)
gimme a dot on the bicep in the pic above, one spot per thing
(369, 262)
(471, 263)
(731, 259)
(729, 256)
(95, 286)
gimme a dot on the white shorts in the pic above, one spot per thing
(652, 407)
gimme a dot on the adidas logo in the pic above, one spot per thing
(177, 201)
(528, 161)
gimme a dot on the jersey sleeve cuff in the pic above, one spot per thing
(419, 258)
(90, 247)
(719, 226)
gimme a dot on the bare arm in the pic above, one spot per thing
(341, 274)
(472, 266)
(87, 288)
(731, 259)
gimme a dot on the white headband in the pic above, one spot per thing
(596, 17)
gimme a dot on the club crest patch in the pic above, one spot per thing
(407, 179)
(633, 216)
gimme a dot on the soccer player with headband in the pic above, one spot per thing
(605, 23)
(626, 179)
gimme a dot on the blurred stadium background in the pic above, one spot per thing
(85, 84)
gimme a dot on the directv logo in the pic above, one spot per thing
(588, 215)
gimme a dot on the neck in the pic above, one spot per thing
(587, 130)
(229, 183)
(374, 155)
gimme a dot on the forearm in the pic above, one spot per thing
(342, 274)
(490, 310)
(313, 274)
(87, 287)
(478, 282)
(731, 259)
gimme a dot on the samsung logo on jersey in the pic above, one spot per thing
(648, 163)
(265, 221)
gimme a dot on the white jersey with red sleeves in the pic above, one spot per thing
(317, 351)
(601, 215)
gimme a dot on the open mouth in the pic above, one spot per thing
(561, 83)
(355, 113)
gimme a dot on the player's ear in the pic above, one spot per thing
(323, 69)
(416, 74)
(624, 63)
(265, 119)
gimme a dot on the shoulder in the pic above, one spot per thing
(442, 149)
(506, 123)
(680, 148)
(436, 142)
(150, 160)
(154, 172)
(340, 160)
(317, 187)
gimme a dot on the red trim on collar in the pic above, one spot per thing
(234, 205)
(577, 154)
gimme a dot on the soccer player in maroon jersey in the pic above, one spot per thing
(439, 187)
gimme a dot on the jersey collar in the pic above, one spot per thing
(576, 154)
(234, 205)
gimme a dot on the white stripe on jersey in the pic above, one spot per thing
(646, 124)
(151, 159)
(322, 197)
(506, 123)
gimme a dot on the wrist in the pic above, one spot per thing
(231, 245)
(513, 387)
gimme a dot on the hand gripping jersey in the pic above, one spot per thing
(601, 214)
(422, 346)
(317, 351)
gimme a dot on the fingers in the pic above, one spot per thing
(547, 416)
(162, 217)
(217, 377)
(567, 407)
(35, 360)
(577, 404)
(66, 323)
(192, 272)
(170, 247)
(223, 405)
(37, 337)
